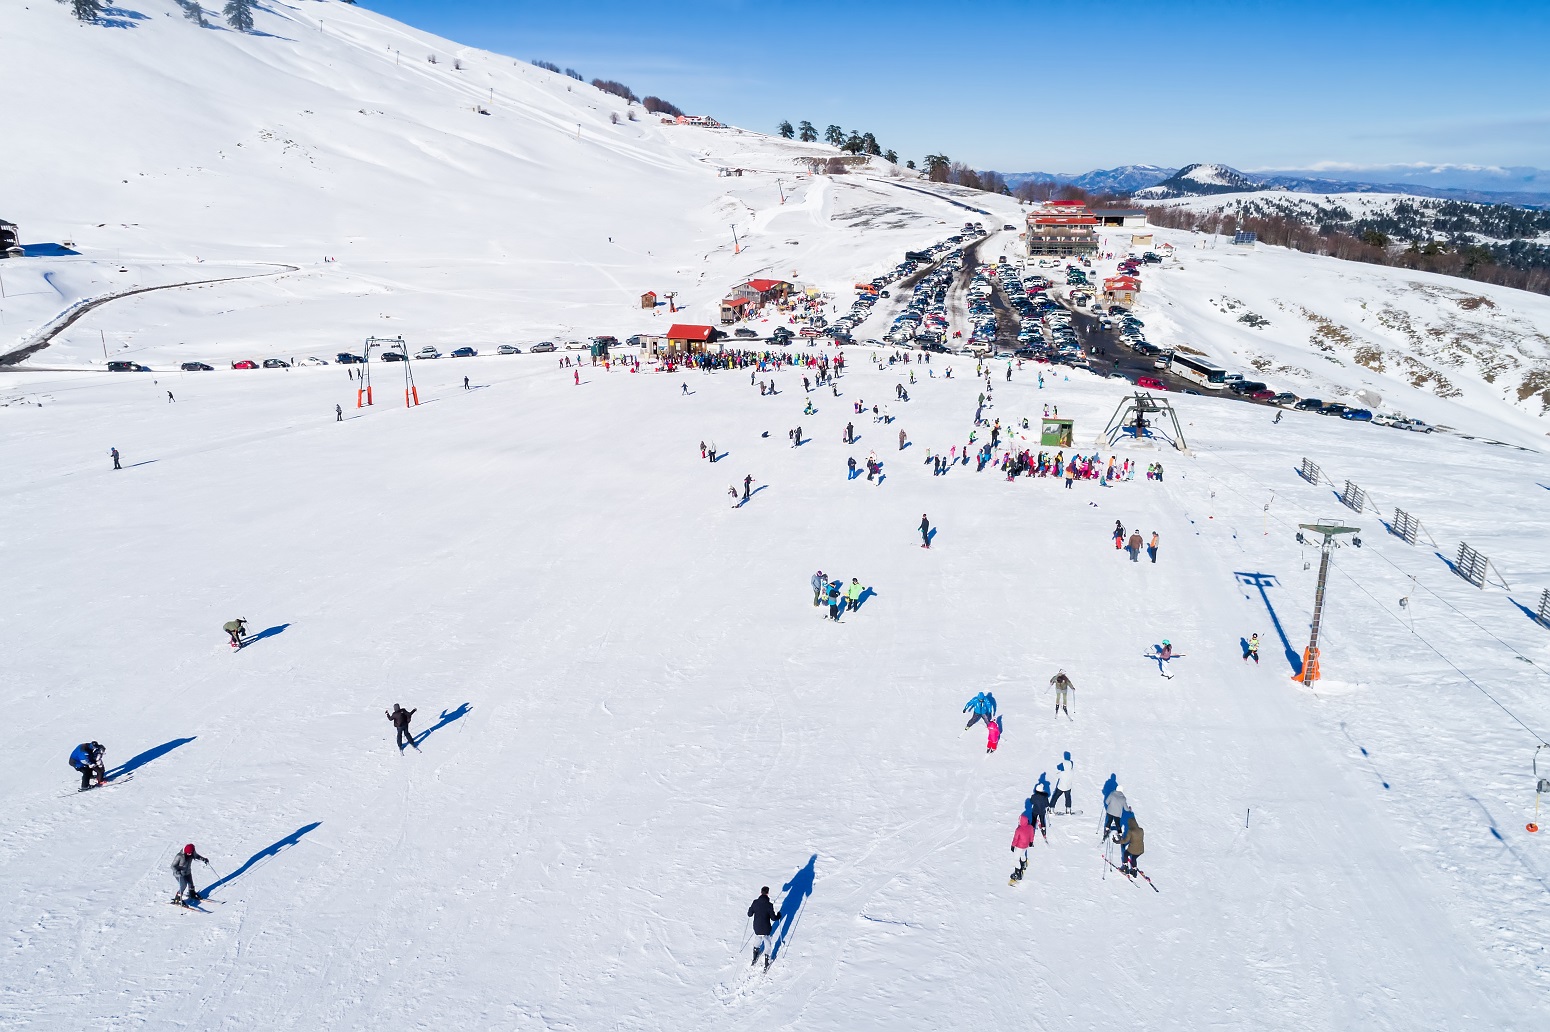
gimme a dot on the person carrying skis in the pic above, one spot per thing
(400, 719)
(1062, 685)
(183, 871)
(819, 582)
(1063, 780)
(1251, 650)
(1132, 844)
(1114, 812)
(925, 531)
(87, 759)
(764, 917)
(237, 629)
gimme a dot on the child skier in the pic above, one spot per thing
(992, 735)
(87, 759)
(1251, 650)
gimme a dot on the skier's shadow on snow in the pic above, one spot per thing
(267, 632)
(1261, 581)
(861, 599)
(797, 890)
(446, 718)
(134, 763)
(263, 854)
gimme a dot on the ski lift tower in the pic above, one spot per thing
(1331, 532)
(1141, 418)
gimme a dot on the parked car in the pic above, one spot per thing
(1151, 383)
(573, 345)
(464, 353)
(1285, 398)
(276, 363)
(245, 363)
(1308, 405)
(1334, 408)
(427, 352)
(313, 360)
(1262, 395)
(394, 356)
(1364, 415)
(508, 349)
(345, 358)
(745, 333)
(127, 367)
(195, 367)
(546, 345)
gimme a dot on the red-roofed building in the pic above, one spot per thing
(1062, 229)
(1121, 289)
(760, 291)
(733, 309)
(690, 338)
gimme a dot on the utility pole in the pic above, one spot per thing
(1331, 531)
(781, 187)
(736, 247)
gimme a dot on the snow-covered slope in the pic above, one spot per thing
(331, 135)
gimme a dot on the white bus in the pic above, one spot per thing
(1202, 372)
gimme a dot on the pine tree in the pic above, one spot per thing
(193, 12)
(786, 132)
(239, 14)
(806, 133)
(834, 135)
(86, 10)
(891, 156)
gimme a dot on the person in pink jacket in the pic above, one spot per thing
(1022, 838)
(992, 735)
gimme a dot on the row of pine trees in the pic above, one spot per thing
(238, 13)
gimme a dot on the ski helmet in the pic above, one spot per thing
(1167, 642)
(189, 850)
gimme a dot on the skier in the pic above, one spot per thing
(236, 628)
(684, 387)
(747, 483)
(87, 758)
(818, 582)
(1062, 685)
(992, 735)
(1036, 809)
(1135, 546)
(1166, 652)
(925, 531)
(170, 398)
(1119, 535)
(982, 706)
(1114, 811)
(1251, 650)
(1132, 844)
(1063, 779)
(114, 452)
(764, 917)
(182, 870)
(1022, 839)
(400, 719)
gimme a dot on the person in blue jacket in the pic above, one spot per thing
(87, 758)
(982, 706)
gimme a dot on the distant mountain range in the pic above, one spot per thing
(1517, 185)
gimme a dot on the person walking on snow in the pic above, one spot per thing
(1151, 549)
(819, 582)
(853, 593)
(114, 452)
(925, 531)
(87, 759)
(1063, 779)
(1132, 844)
(1251, 650)
(339, 413)
(1135, 546)
(1119, 535)
(1062, 685)
(764, 917)
(236, 629)
(835, 598)
(400, 720)
(1114, 811)
(183, 871)
(465, 383)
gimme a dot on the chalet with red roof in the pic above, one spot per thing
(1121, 290)
(688, 338)
(1062, 229)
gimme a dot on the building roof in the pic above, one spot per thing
(1065, 204)
(1121, 283)
(688, 331)
(734, 302)
(649, 293)
(1061, 220)
(765, 285)
(1114, 213)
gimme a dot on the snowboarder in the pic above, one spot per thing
(182, 870)
(764, 917)
(1114, 811)
(236, 629)
(87, 759)
(992, 735)
(1063, 779)
(1151, 548)
(1251, 649)
(1022, 839)
(1132, 844)
(400, 719)
(1134, 545)
(114, 452)
(925, 531)
(1062, 685)
(818, 582)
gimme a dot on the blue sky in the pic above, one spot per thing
(1066, 87)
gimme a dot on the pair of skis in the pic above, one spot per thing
(1127, 874)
